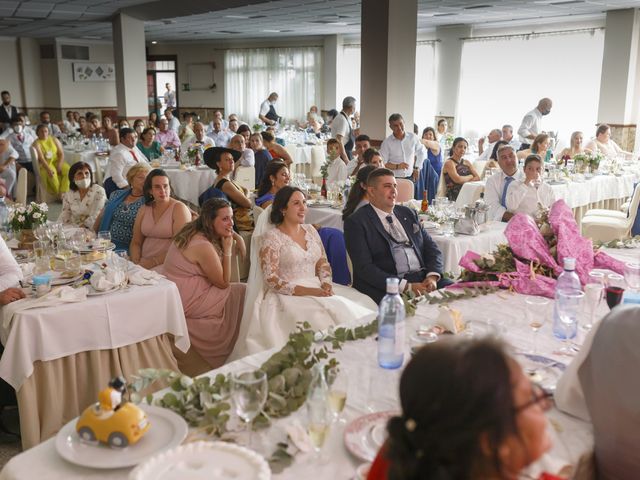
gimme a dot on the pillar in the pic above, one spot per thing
(388, 64)
(332, 44)
(448, 71)
(620, 79)
(131, 66)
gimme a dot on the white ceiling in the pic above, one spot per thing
(197, 20)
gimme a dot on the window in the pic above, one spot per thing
(74, 52)
(252, 74)
(503, 78)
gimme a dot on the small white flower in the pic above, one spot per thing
(21, 218)
(185, 381)
(36, 215)
(44, 207)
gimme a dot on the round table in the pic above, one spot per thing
(325, 217)
(191, 183)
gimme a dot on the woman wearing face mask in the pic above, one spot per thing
(82, 204)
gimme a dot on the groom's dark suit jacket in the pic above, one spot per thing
(369, 248)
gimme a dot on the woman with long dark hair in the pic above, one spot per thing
(458, 171)
(358, 193)
(275, 177)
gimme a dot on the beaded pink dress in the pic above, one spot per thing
(213, 314)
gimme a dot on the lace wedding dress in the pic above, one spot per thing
(272, 312)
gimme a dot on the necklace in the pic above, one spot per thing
(135, 195)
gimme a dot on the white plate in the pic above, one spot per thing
(319, 204)
(167, 430)
(90, 248)
(364, 436)
(204, 460)
(92, 292)
(56, 279)
(542, 370)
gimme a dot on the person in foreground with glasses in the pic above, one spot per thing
(459, 424)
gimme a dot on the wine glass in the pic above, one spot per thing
(632, 275)
(536, 313)
(104, 238)
(594, 293)
(338, 381)
(249, 390)
(319, 424)
(614, 289)
(568, 307)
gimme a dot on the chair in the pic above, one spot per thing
(42, 195)
(318, 157)
(211, 192)
(624, 211)
(99, 173)
(257, 211)
(246, 177)
(479, 166)
(607, 228)
(405, 190)
(333, 242)
(21, 187)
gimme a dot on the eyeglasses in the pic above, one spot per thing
(539, 396)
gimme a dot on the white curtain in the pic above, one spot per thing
(425, 82)
(502, 79)
(251, 74)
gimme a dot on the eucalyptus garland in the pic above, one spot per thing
(632, 242)
(442, 297)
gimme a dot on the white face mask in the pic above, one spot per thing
(18, 128)
(84, 183)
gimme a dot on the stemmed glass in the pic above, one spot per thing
(320, 419)
(104, 239)
(249, 390)
(568, 307)
(536, 311)
(594, 293)
(632, 275)
(338, 381)
(614, 289)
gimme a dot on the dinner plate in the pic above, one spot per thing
(542, 370)
(364, 436)
(319, 204)
(57, 279)
(92, 292)
(90, 248)
(167, 430)
(200, 460)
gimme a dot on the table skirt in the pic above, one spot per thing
(59, 390)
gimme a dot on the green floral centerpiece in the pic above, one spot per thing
(587, 159)
(28, 217)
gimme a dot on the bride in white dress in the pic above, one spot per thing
(290, 281)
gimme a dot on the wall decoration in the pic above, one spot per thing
(94, 72)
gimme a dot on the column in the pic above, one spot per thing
(448, 71)
(620, 80)
(332, 45)
(388, 64)
(131, 66)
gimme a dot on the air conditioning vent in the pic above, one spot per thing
(75, 52)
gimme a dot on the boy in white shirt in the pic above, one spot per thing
(336, 168)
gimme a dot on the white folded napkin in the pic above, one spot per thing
(27, 268)
(56, 296)
(142, 276)
(106, 279)
(13, 243)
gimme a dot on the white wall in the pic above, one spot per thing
(10, 71)
(31, 73)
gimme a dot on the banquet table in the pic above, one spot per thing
(58, 357)
(325, 217)
(191, 183)
(371, 389)
(600, 191)
(87, 156)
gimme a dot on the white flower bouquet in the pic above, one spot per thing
(28, 217)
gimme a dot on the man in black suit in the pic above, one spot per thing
(8, 113)
(386, 240)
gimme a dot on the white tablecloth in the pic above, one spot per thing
(576, 194)
(453, 248)
(189, 184)
(101, 322)
(325, 216)
(307, 159)
(371, 388)
(87, 156)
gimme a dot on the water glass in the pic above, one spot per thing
(249, 390)
(568, 308)
(632, 275)
(448, 228)
(104, 239)
(536, 314)
(338, 381)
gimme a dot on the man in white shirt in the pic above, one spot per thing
(402, 151)
(122, 158)
(10, 275)
(247, 159)
(498, 184)
(493, 137)
(268, 110)
(363, 143)
(507, 136)
(21, 140)
(70, 125)
(341, 128)
(531, 125)
(169, 97)
(174, 123)
(218, 135)
(45, 118)
(217, 115)
(200, 138)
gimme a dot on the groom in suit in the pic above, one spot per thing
(386, 240)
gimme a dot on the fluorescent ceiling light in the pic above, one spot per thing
(240, 17)
(271, 31)
(429, 14)
(153, 42)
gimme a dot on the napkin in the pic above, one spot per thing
(27, 268)
(13, 243)
(57, 296)
(107, 279)
(450, 319)
(142, 276)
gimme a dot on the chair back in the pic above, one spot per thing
(257, 211)
(40, 189)
(99, 172)
(442, 187)
(318, 157)
(21, 187)
(405, 190)
(633, 206)
(246, 177)
(479, 166)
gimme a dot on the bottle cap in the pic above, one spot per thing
(569, 263)
(392, 285)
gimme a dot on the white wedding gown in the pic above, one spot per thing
(271, 312)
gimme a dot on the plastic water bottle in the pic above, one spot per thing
(4, 215)
(391, 327)
(568, 282)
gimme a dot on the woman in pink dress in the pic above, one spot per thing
(199, 263)
(157, 221)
